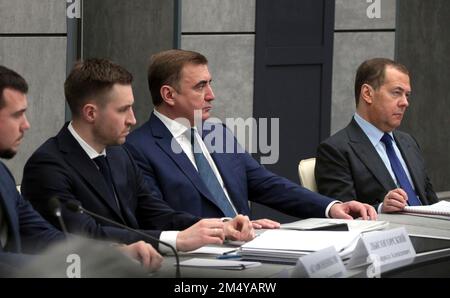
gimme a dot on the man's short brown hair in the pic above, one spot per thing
(372, 72)
(92, 78)
(165, 69)
(11, 79)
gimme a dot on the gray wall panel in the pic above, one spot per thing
(231, 60)
(218, 15)
(350, 50)
(41, 60)
(352, 14)
(128, 32)
(423, 45)
(31, 16)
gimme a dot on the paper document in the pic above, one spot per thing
(440, 208)
(353, 225)
(286, 246)
(219, 264)
(213, 250)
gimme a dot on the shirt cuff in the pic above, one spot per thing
(169, 237)
(327, 211)
(380, 207)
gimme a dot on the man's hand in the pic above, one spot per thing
(239, 229)
(394, 201)
(206, 231)
(144, 253)
(352, 209)
(265, 223)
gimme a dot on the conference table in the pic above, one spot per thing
(432, 260)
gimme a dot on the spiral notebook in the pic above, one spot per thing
(440, 208)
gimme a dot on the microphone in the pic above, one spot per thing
(55, 206)
(76, 207)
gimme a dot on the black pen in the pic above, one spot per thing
(332, 227)
(229, 252)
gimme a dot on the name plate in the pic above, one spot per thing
(320, 264)
(384, 250)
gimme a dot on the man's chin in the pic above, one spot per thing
(7, 154)
(117, 142)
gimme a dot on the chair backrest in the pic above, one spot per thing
(306, 173)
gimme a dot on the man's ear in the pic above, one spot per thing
(89, 112)
(168, 94)
(367, 93)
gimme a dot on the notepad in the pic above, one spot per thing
(219, 264)
(440, 208)
(213, 250)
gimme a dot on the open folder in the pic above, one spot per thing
(286, 246)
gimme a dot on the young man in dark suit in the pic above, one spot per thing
(370, 160)
(180, 169)
(86, 164)
(22, 230)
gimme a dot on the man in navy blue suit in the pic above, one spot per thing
(181, 169)
(22, 230)
(86, 164)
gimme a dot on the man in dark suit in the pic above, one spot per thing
(370, 160)
(178, 165)
(22, 229)
(86, 164)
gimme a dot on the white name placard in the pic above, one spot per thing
(320, 264)
(385, 250)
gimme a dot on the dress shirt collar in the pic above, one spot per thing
(91, 152)
(372, 132)
(176, 128)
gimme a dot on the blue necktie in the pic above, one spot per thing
(105, 170)
(207, 174)
(399, 172)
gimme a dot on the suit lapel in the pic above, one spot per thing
(11, 217)
(368, 155)
(80, 162)
(222, 161)
(163, 139)
(118, 170)
(409, 157)
(226, 172)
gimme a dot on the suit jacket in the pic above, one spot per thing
(61, 168)
(27, 230)
(172, 177)
(348, 167)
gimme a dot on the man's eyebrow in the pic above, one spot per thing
(21, 111)
(202, 82)
(399, 88)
